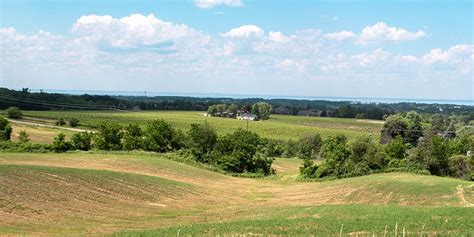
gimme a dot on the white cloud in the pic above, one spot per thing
(278, 37)
(339, 36)
(206, 4)
(380, 31)
(138, 51)
(244, 31)
(136, 30)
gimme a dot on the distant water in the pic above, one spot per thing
(241, 96)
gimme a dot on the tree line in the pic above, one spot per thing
(27, 100)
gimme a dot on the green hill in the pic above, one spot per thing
(148, 194)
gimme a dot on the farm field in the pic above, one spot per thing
(147, 194)
(277, 127)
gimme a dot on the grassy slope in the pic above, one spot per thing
(37, 134)
(278, 127)
(104, 193)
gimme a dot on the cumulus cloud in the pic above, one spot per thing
(245, 31)
(206, 4)
(380, 31)
(339, 36)
(162, 54)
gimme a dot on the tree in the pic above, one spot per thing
(262, 110)
(237, 152)
(159, 136)
(396, 149)
(60, 144)
(309, 146)
(335, 153)
(73, 122)
(201, 140)
(23, 136)
(5, 129)
(82, 141)
(434, 152)
(14, 113)
(462, 167)
(233, 108)
(395, 125)
(132, 137)
(108, 136)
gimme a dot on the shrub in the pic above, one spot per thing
(5, 129)
(23, 136)
(108, 136)
(462, 167)
(201, 140)
(132, 137)
(60, 144)
(73, 122)
(9, 146)
(309, 146)
(237, 152)
(60, 122)
(14, 113)
(159, 137)
(82, 141)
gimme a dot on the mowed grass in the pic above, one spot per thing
(278, 127)
(37, 134)
(150, 195)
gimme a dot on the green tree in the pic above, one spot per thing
(132, 137)
(5, 129)
(14, 113)
(108, 136)
(60, 144)
(309, 146)
(462, 167)
(237, 152)
(435, 152)
(159, 136)
(395, 125)
(396, 149)
(262, 110)
(335, 152)
(23, 136)
(233, 108)
(201, 140)
(82, 141)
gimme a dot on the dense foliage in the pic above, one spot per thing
(27, 100)
(439, 145)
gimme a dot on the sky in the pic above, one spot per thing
(354, 48)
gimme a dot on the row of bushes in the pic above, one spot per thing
(238, 152)
(434, 155)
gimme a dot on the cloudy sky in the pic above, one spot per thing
(354, 48)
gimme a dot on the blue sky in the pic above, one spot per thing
(400, 49)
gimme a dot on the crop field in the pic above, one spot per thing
(277, 127)
(138, 193)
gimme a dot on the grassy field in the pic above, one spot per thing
(278, 127)
(37, 134)
(147, 194)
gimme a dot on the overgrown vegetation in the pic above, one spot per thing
(438, 145)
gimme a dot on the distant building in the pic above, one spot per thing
(247, 116)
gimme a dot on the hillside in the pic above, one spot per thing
(94, 193)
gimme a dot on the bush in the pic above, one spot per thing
(5, 129)
(201, 140)
(462, 167)
(237, 152)
(82, 141)
(14, 113)
(132, 137)
(23, 137)
(160, 137)
(108, 136)
(309, 146)
(60, 122)
(9, 146)
(73, 122)
(60, 144)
